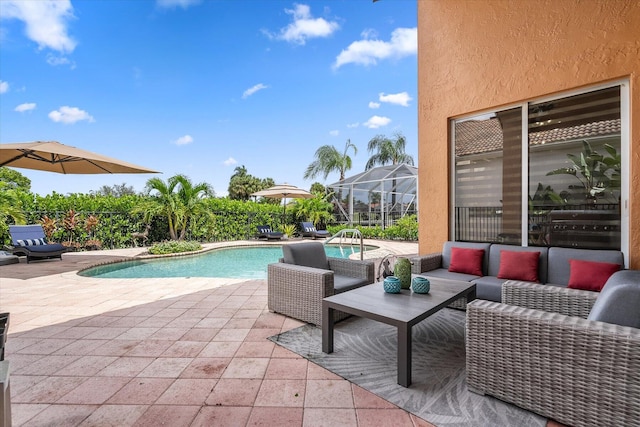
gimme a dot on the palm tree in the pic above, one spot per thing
(388, 151)
(329, 159)
(178, 199)
(242, 184)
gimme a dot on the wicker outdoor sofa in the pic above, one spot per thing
(567, 354)
(305, 275)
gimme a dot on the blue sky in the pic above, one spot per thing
(200, 87)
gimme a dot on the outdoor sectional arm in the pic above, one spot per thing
(576, 371)
(555, 299)
(424, 263)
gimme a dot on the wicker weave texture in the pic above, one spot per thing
(297, 291)
(421, 264)
(575, 371)
(555, 299)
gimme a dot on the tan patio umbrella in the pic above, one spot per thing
(284, 191)
(53, 156)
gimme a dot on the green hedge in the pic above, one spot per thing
(231, 220)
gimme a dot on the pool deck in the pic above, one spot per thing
(181, 352)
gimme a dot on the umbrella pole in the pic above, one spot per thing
(284, 211)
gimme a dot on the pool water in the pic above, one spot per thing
(240, 263)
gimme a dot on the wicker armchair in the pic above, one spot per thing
(576, 371)
(297, 290)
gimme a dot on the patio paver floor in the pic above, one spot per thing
(184, 352)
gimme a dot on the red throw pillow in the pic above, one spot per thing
(519, 265)
(465, 260)
(590, 275)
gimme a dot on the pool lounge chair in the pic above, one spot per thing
(265, 232)
(30, 241)
(309, 230)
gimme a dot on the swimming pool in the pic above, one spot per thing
(249, 262)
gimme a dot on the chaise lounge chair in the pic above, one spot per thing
(265, 232)
(30, 241)
(309, 230)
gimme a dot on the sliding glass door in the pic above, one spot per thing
(550, 176)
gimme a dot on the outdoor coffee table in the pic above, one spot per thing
(401, 310)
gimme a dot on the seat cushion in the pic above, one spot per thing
(560, 268)
(618, 304)
(308, 254)
(443, 273)
(346, 283)
(489, 288)
(51, 247)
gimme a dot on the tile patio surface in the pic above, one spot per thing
(179, 352)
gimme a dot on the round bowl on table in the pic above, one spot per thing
(391, 285)
(420, 285)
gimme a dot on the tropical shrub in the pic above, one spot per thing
(174, 246)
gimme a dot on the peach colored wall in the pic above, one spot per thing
(478, 55)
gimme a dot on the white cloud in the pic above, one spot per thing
(376, 121)
(46, 21)
(183, 140)
(353, 125)
(70, 115)
(247, 93)
(60, 60)
(169, 4)
(401, 98)
(4, 87)
(334, 132)
(304, 26)
(404, 42)
(230, 161)
(374, 105)
(27, 106)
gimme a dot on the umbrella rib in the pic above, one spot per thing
(25, 153)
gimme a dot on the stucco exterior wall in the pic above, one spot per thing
(478, 55)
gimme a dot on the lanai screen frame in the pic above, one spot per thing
(381, 180)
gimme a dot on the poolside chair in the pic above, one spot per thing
(30, 241)
(265, 232)
(305, 275)
(309, 230)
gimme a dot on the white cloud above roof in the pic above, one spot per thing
(45, 21)
(184, 140)
(27, 106)
(376, 122)
(334, 132)
(404, 42)
(253, 89)
(70, 115)
(401, 98)
(4, 87)
(230, 161)
(303, 27)
(374, 105)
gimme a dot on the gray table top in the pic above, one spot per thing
(406, 307)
